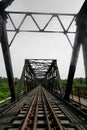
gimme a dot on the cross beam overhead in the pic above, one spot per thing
(37, 27)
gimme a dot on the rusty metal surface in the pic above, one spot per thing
(46, 112)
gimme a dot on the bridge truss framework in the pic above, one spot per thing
(34, 16)
(16, 30)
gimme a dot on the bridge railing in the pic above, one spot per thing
(79, 95)
(79, 91)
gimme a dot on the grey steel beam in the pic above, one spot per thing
(39, 29)
(16, 29)
(84, 48)
(42, 13)
(80, 38)
(8, 64)
(22, 79)
(73, 64)
(59, 80)
(52, 64)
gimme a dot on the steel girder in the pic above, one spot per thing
(41, 70)
(33, 15)
(80, 39)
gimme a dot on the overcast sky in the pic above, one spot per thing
(43, 46)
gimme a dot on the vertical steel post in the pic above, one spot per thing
(84, 47)
(73, 63)
(81, 37)
(59, 80)
(7, 59)
(45, 84)
(21, 81)
(52, 80)
(27, 83)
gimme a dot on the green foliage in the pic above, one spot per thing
(4, 88)
(4, 91)
(3, 80)
(64, 82)
(77, 82)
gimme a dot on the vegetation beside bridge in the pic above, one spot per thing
(5, 93)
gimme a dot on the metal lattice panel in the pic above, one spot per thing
(29, 18)
(40, 66)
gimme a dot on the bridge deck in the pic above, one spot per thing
(54, 113)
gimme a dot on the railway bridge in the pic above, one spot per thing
(40, 101)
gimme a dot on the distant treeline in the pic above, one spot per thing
(77, 82)
(5, 93)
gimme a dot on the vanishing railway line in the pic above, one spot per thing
(40, 110)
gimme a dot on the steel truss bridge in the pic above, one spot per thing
(28, 99)
(33, 17)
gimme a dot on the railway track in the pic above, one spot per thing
(43, 111)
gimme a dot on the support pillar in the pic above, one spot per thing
(52, 80)
(27, 83)
(45, 82)
(59, 80)
(73, 63)
(7, 60)
(21, 81)
(84, 48)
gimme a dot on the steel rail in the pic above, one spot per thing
(53, 113)
(46, 114)
(43, 111)
(36, 113)
(24, 125)
(77, 122)
(45, 103)
(14, 117)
